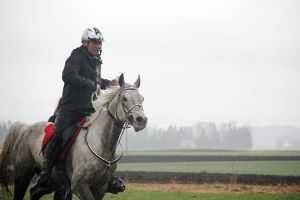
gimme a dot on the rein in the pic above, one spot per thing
(118, 123)
(107, 162)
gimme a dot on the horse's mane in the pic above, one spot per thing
(104, 98)
(107, 95)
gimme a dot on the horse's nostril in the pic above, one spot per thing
(130, 118)
(139, 119)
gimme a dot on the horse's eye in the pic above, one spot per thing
(124, 99)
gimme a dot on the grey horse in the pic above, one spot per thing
(91, 161)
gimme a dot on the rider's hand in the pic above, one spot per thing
(114, 82)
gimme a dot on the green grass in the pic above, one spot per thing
(284, 168)
(27, 196)
(216, 153)
(134, 195)
(137, 195)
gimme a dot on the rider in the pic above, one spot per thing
(81, 76)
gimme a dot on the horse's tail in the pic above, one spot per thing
(6, 156)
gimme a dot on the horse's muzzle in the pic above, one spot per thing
(139, 122)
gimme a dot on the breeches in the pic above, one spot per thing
(65, 119)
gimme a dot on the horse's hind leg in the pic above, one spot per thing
(21, 183)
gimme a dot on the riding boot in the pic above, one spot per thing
(51, 154)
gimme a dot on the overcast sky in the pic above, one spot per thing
(211, 60)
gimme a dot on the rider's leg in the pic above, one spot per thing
(52, 150)
(54, 147)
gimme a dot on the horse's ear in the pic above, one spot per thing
(137, 82)
(121, 81)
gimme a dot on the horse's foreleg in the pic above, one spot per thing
(61, 195)
(99, 191)
(83, 191)
(62, 189)
(62, 192)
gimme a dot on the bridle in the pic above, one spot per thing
(121, 124)
(126, 110)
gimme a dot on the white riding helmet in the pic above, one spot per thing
(92, 34)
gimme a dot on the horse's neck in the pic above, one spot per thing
(107, 133)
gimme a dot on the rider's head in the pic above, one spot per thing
(92, 39)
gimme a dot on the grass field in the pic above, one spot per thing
(214, 191)
(216, 153)
(203, 192)
(284, 168)
(138, 195)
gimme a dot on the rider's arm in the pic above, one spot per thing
(71, 75)
(104, 83)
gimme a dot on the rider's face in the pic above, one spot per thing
(94, 47)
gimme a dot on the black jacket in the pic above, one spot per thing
(79, 76)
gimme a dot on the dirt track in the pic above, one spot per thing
(143, 159)
(200, 178)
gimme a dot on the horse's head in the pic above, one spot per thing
(129, 108)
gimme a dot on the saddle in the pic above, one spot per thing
(70, 133)
(69, 137)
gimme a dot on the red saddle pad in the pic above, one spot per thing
(49, 130)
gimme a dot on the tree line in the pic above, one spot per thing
(202, 135)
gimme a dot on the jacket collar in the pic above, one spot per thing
(91, 57)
